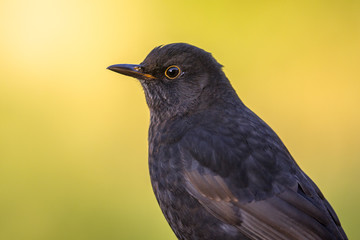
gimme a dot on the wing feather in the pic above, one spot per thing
(287, 215)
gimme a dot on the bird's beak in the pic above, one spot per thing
(130, 70)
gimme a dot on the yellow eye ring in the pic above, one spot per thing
(172, 72)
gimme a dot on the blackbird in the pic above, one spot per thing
(217, 170)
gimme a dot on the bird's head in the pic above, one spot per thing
(177, 78)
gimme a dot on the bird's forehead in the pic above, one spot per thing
(162, 57)
(181, 54)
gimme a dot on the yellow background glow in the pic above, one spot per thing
(73, 135)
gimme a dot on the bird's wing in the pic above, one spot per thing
(287, 215)
(292, 209)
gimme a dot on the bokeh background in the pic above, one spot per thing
(73, 135)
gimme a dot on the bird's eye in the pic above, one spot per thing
(172, 72)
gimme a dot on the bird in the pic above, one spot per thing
(218, 171)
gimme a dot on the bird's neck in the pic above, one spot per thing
(221, 96)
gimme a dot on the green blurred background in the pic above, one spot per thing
(73, 135)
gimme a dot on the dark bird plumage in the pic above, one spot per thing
(218, 171)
